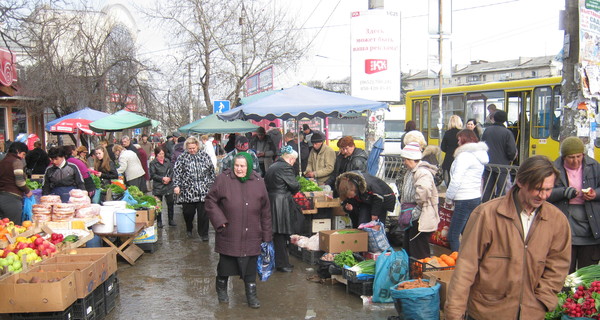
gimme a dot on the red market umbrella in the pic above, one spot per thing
(76, 121)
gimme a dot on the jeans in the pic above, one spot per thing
(462, 211)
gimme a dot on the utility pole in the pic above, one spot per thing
(441, 72)
(190, 92)
(570, 85)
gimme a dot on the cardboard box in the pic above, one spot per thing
(110, 253)
(341, 222)
(333, 242)
(86, 279)
(37, 297)
(148, 235)
(100, 262)
(320, 225)
(326, 202)
(145, 216)
(443, 277)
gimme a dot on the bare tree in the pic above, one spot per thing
(229, 40)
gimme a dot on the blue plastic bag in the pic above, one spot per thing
(129, 199)
(378, 241)
(389, 270)
(266, 261)
(418, 303)
(96, 198)
(28, 203)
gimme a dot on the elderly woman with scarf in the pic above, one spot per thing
(238, 208)
(282, 184)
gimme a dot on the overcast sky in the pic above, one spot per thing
(482, 30)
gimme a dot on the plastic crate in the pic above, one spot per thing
(100, 310)
(110, 284)
(110, 299)
(311, 257)
(295, 251)
(84, 309)
(354, 277)
(417, 268)
(58, 315)
(362, 288)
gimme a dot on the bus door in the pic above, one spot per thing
(518, 109)
(420, 113)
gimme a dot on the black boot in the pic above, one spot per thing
(159, 218)
(171, 221)
(222, 289)
(251, 295)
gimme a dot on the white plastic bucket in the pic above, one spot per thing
(107, 217)
(117, 205)
(125, 220)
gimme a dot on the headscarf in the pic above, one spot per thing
(286, 149)
(249, 164)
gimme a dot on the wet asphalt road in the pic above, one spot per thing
(177, 281)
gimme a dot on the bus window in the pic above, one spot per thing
(416, 114)
(557, 114)
(478, 102)
(542, 114)
(425, 122)
(452, 105)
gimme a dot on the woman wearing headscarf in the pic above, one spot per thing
(281, 185)
(238, 208)
(419, 193)
(194, 174)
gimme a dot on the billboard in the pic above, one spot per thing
(260, 81)
(375, 55)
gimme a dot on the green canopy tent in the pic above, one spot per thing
(121, 120)
(212, 124)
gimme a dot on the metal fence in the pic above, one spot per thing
(496, 180)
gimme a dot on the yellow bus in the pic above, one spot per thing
(534, 108)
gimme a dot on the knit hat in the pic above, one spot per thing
(316, 137)
(571, 145)
(241, 143)
(411, 151)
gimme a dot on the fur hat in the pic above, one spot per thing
(412, 151)
(571, 145)
(350, 181)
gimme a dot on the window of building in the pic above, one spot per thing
(19, 121)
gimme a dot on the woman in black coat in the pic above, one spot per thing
(161, 173)
(281, 185)
(449, 145)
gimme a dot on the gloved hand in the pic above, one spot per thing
(570, 193)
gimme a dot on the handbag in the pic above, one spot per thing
(405, 216)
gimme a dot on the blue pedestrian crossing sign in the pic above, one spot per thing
(220, 106)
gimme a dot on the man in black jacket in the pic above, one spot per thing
(350, 158)
(501, 150)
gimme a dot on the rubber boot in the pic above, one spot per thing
(171, 221)
(222, 289)
(159, 218)
(251, 295)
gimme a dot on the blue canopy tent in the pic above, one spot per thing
(78, 120)
(212, 124)
(301, 102)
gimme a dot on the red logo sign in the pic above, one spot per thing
(8, 71)
(375, 65)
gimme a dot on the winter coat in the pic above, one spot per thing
(425, 195)
(245, 210)
(37, 160)
(130, 165)
(276, 137)
(267, 147)
(194, 174)
(591, 179)
(500, 273)
(178, 149)
(501, 144)
(106, 176)
(371, 191)
(68, 175)
(449, 145)
(157, 172)
(357, 161)
(281, 185)
(321, 162)
(466, 171)
(12, 175)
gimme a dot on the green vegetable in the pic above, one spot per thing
(135, 192)
(585, 276)
(307, 185)
(33, 185)
(556, 314)
(97, 181)
(345, 258)
(115, 189)
(366, 267)
(71, 238)
(349, 231)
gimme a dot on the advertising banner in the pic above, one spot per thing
(375, 55)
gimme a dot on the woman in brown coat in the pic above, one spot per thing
(238, 208)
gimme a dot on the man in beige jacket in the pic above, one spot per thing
(515, 252)
(321, 159)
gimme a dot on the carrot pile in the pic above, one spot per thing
(443, 261)
(412, 285)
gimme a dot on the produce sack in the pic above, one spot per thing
(405, 216)
(378, 241)
(27, 213)
(389, 271)
(266, 261)
(440, 236)
(417, 303)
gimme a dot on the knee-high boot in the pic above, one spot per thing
(251, 295)
(159, 218)
(171, 221)
(222, 289)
